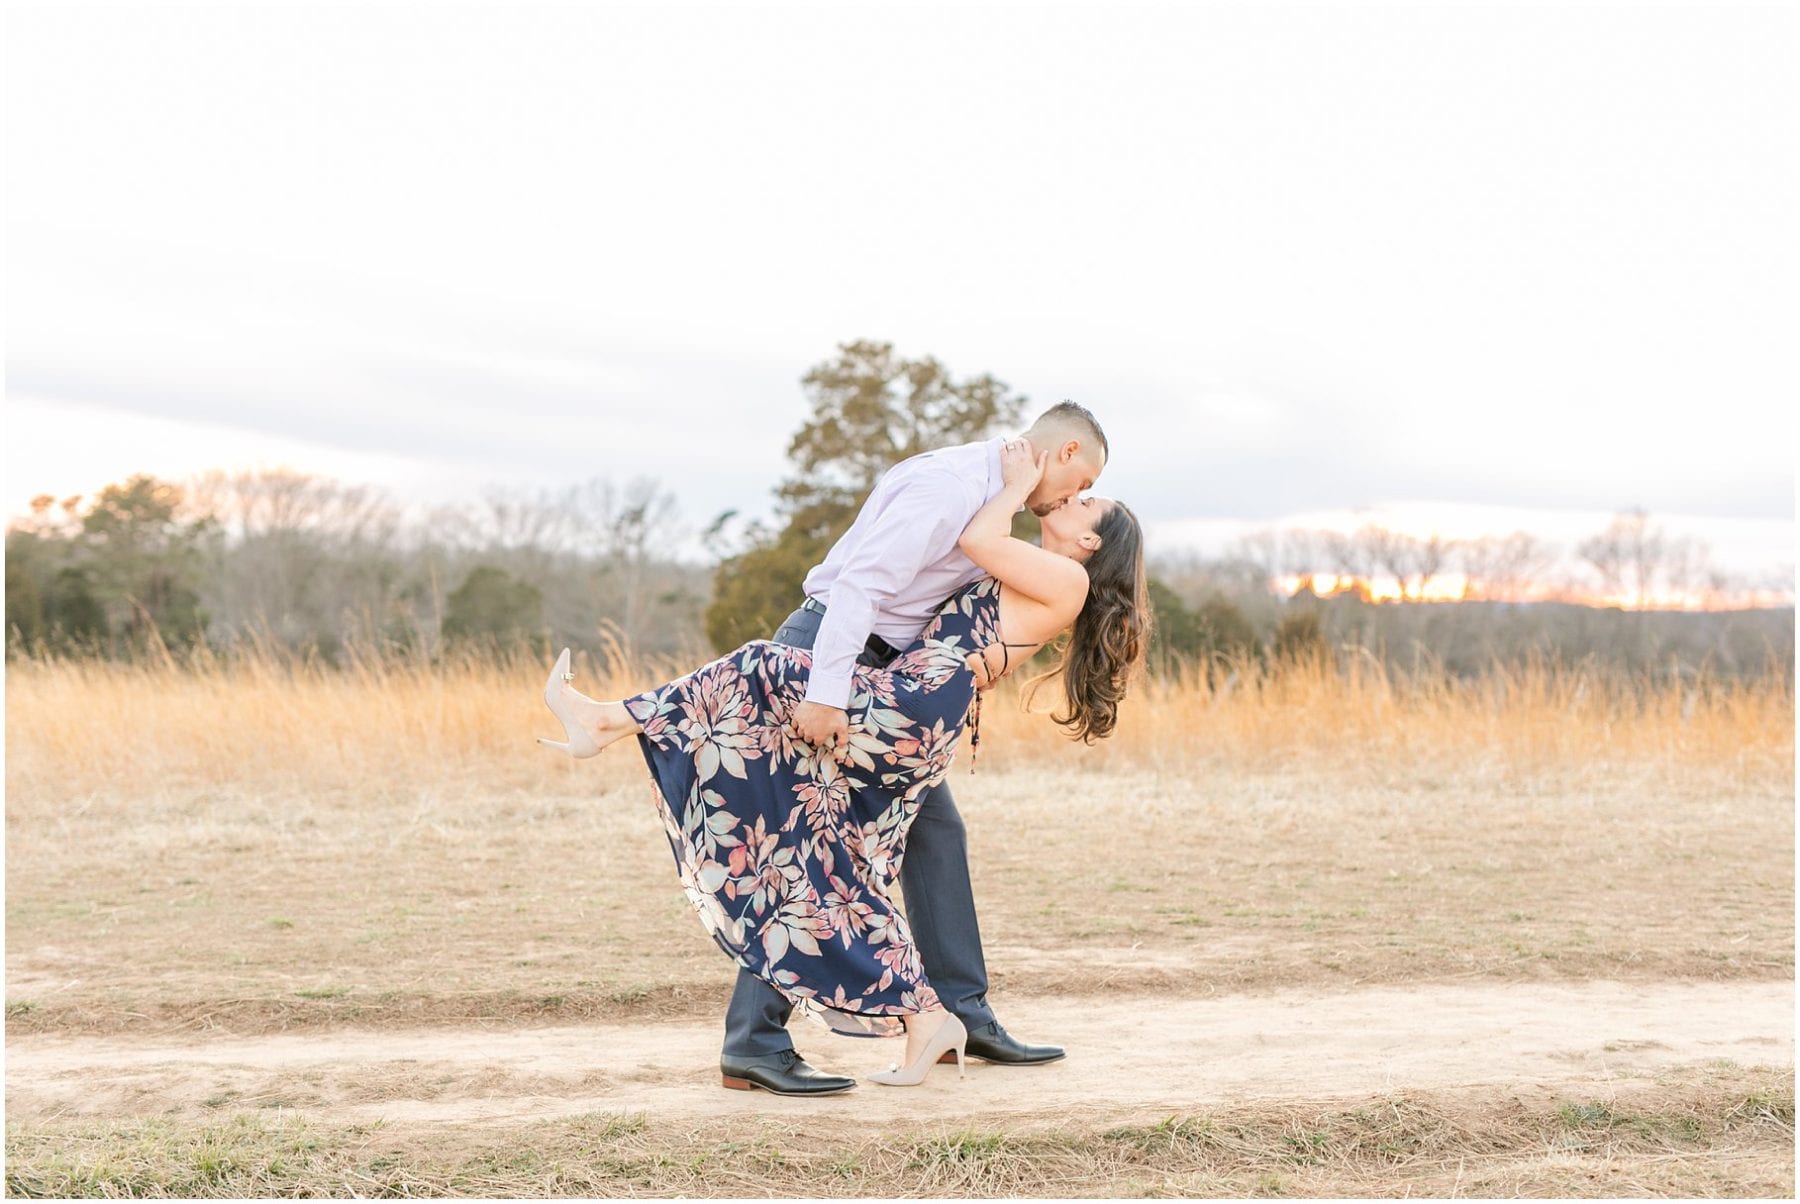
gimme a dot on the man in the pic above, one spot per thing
(874, 593)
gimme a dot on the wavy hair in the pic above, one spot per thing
(1107, 643)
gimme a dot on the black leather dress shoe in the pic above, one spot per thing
(784, 1073)
(991, 1043)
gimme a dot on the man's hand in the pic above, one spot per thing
(825, 728)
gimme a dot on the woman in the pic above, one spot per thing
(789, 856)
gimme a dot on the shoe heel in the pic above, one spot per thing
(962, 1071)
(735, 1084)
(580, 743)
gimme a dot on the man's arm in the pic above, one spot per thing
(919, 523)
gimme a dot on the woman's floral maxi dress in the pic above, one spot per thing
(790, 858)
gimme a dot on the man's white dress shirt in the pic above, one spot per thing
(898, 562)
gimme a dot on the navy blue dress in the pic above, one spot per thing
(789, 858)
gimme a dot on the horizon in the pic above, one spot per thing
(1733, 550)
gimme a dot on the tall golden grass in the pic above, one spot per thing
(76, 726)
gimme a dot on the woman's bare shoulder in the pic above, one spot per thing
(1024, 619)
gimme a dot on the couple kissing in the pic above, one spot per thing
(801, 778)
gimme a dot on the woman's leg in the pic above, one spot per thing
(606, 722)
(929, 1035)
(920, 1028)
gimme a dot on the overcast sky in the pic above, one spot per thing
(1536, 261)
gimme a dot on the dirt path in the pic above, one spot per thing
(1142, 1056)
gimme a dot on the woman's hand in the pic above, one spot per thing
(1021, 468)
(985, 676)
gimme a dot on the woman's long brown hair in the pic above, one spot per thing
(1111, 633)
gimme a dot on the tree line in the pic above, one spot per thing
(304, 566)
(1634, 563)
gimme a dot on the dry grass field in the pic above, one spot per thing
(279, 930)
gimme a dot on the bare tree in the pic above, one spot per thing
(1355, 555)
(1300, 553)
(1261, 551)
(1413, 562)
(1265, 553)
(261, 502)
(1271, 555)
(1501, 567)
(528, 524)
(295, 552)
(626, 529)
(1636, 559)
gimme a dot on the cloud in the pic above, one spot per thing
(713, 430)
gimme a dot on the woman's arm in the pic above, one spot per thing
(1057, 582)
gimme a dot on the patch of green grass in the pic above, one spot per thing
(1170, 1133)
(1306, 1147)
(1585, 1116)
(280, 922)
(1589, 1118)
(605, 1126)
(20, 1007)
(1189, 919)
(322, 992)
(967, 1146)
(1776, 1108)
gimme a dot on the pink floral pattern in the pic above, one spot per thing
(790, 858)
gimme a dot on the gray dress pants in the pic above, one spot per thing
(940, 909)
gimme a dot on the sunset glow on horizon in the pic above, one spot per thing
(1455, 587)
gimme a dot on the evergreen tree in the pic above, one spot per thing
(24, 605)
(1175, 637)
(146, 564)
(74, 615)
(492, 606)
(870, 410)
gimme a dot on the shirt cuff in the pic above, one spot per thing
(828, 693)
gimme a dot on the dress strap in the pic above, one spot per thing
(975, 707)
(974, 730)
(1006, 657)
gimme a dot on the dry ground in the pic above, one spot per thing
(288, 937)
(259, 910)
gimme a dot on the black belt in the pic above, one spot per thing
(874, 644)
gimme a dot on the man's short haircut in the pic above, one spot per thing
(1069, 413)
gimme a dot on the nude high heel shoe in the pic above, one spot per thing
(950, 1036)
(579, 744)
